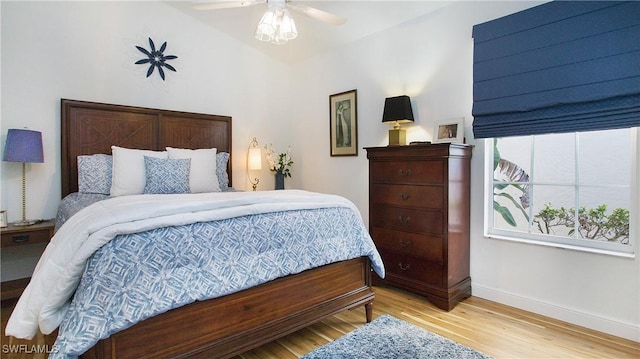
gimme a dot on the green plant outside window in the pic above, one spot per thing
(539, 181)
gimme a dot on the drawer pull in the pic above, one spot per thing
(404, 267)
(21, 238)
(405, 173)
(404, 196)
(404, 243)
(404, 220)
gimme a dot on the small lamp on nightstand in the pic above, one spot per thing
(397, 110)
(24, 146)
(254, 161)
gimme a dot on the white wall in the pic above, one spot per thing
(430, 59)
(85, 50)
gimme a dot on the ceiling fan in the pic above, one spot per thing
(276, 24)
(303, 9)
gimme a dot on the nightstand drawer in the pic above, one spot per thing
(408, 195)
(29, 237)
(410, 172)
(411, 267)
(406, 219)
(37, 233)
(418, 245)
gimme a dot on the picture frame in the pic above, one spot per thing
(343, 123)
(449, 131)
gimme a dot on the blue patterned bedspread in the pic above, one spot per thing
(136, 276)
(74, 202)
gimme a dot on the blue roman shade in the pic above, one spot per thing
(563, 66)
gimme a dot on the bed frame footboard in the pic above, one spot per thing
(230, 325)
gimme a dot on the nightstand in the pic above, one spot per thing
(19, 236)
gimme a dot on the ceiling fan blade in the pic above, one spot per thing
(216, 5)
(317, 14)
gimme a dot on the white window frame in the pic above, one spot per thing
(615, 249)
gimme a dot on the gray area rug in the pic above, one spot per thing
(389, 337)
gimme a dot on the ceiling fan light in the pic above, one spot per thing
(278, 40)
(287, 27)
(276, 25)
(262, 36)
(267, 26)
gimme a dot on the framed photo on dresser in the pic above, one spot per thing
(449, 131)
(343, 123)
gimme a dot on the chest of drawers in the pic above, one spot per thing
(419, 218)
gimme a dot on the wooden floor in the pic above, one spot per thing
(494, 329)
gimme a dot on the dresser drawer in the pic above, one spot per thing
(408, 195)
(418, 245)
(410, 172)
(407, 219)
(411, 267)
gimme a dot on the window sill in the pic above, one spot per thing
(562, 246)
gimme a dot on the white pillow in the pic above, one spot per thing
(129, 175)
(202, 175)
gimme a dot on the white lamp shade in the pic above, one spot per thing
(255, 159)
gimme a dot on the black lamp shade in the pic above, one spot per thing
(397, 109)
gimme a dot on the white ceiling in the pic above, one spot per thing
(314, 37)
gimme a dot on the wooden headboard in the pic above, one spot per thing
(92, 128)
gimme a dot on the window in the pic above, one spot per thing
(572, 190)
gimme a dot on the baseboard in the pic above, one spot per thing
(587, 320)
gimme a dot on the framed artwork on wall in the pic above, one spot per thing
(343, 123)
(449, 131)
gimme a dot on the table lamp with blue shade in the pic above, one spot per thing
(24, 146)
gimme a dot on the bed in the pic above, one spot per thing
(226, 325)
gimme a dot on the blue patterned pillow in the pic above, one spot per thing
(222, 158)
(94, 173)
(165, 176)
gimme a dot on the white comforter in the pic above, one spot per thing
(46, 298)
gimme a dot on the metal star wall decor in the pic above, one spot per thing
(156, 59)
